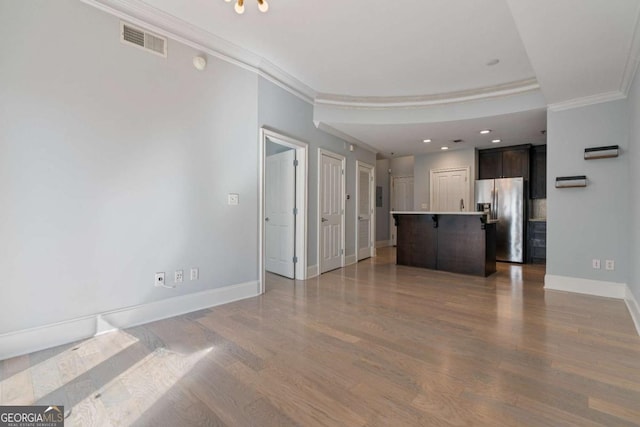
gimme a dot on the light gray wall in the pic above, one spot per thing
(382, 213)
(591, 222)
(402, 166)
(634, 188)
(115, 164)
(283, 112)
(450, 159)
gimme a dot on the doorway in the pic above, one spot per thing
(283, 206)
(401, 201)
(450, 190)
(331, 197)
(365, 215)
(280, 209)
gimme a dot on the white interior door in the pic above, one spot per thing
(450, 190)
(331, 212)
(365, 212)
(279, 219)
(401, 200)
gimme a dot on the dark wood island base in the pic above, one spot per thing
(456, 242)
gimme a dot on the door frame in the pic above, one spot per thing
(392, 178)
(302, 184)
(372, 199)
(467, 169)
(343, 191)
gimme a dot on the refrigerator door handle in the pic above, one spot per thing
(495, 204)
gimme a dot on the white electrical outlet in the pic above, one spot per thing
(159, 279)
(595, 263)
(194, 274)
(233, 198)
(610, 265)
(179, 276)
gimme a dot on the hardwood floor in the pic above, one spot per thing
(373, 344)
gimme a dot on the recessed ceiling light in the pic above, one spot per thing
(426, 141)
(444, 148)
(485, 131)
(493, 62)
(495, 141)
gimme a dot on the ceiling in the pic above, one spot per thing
(373, 47)
(512, 129)
(379, 54)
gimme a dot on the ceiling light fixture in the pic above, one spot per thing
(495, 141)
(444, 148)
(263, 6)
(426, 141)
(485, 131)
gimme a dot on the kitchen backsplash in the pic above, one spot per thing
(539, 208)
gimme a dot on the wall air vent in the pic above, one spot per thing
(143, 39)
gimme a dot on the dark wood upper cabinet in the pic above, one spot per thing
(507, 162)
(515, 163)
(489, 164)
(539, 172)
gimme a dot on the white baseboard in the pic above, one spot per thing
(350, 259)
(383, 243)
(634, 308)
(312, 271)
(585, 286)
(39, 338)
(596, 288)
(42, 337)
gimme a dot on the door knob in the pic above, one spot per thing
(267, 219)
(360, 218)
(324, 220)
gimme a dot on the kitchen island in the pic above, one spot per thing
(458, 242)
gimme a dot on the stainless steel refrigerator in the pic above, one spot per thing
(506, 203)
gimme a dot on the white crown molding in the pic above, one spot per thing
(348, 138)
(393, 102)
(633, 59)
(587, 100)
(146, 16)
(165, 24)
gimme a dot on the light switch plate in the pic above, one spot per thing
(194, 274)
(233, 199)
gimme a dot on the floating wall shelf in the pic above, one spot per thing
(571, 181)
(601, 152)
